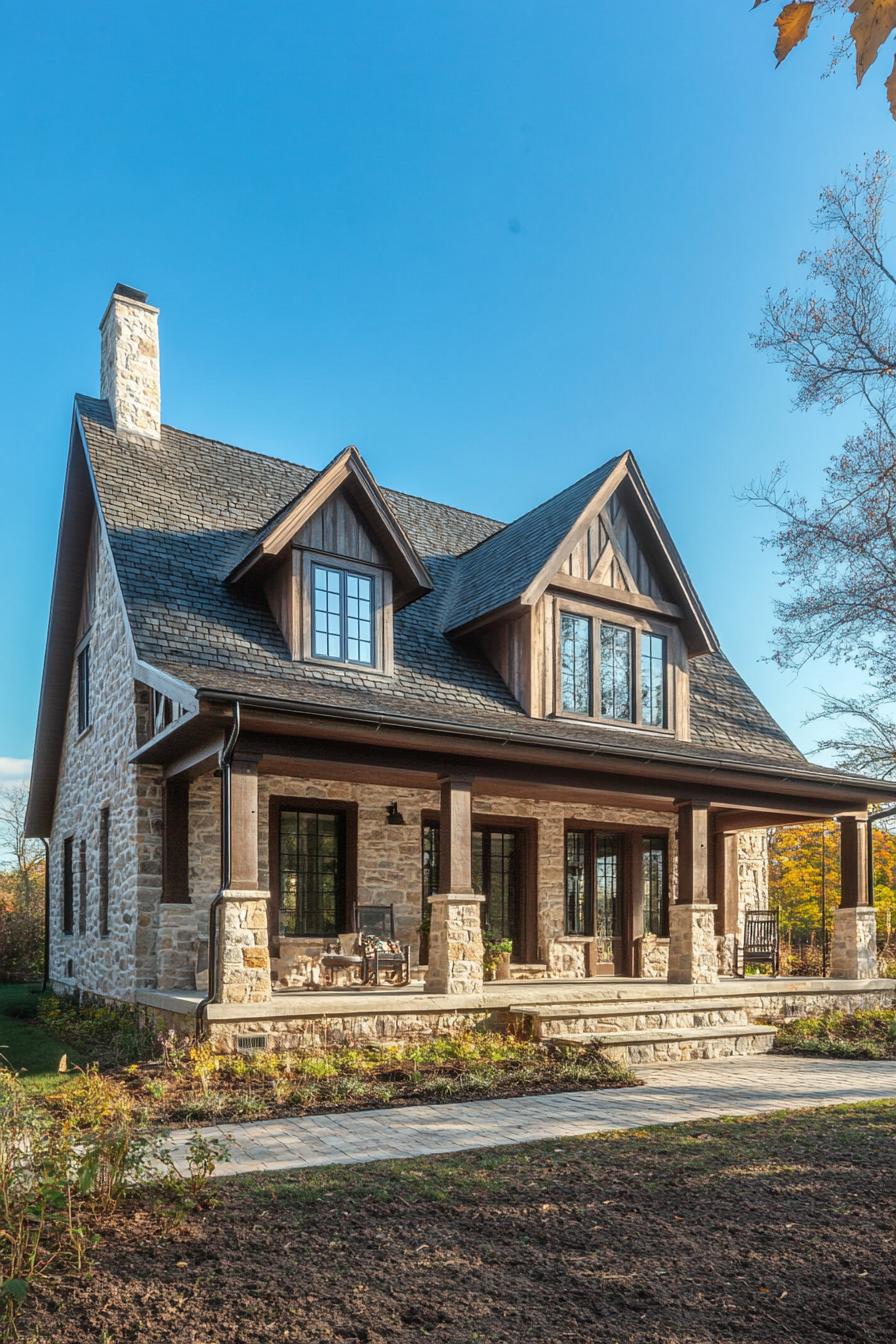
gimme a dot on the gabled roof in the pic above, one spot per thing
(515, 566)
(348, 472)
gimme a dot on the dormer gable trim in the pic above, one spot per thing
(699, 633)
(349, 472)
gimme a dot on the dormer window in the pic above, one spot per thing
(343, 615)
(615, 672)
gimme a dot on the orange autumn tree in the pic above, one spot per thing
(799, 856)
(871, 24)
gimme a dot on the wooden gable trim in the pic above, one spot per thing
(701, 637)
(602, 592)
(348, 469)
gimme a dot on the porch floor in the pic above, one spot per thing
(497, 995)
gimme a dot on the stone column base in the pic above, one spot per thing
(455, 945)
(693, 959)
(854, 945)
(243, 962)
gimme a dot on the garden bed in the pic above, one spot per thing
(869, 1033)
(772, 1229)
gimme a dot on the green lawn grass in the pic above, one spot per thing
(24, 1044)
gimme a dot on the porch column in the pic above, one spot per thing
(243, 961)
(725, 888)
(455, 931)
(693, 959)
(854, 945)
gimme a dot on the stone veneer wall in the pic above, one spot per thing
(388, 862)
(94, 772)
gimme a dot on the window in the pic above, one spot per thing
(575, 663)
(104, 871)
(68, 885)
(82, 887)
(342, 616)
(498, 858)
(653, 680)
(430, 862)
(616, 672)
(612, 671)
(312, 873)
(594, 869)
(656, 904)
(84, 688)
(578, 918)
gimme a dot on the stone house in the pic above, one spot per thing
(275, 693)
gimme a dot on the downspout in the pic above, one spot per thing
(46, 845)
(226, 869)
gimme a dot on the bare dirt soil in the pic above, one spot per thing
(772, 1229)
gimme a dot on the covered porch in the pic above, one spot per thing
(618, 865)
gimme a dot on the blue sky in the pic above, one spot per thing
(490, 243)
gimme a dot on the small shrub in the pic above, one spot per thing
(869, 1033)
(107, 1034)
(21, 945)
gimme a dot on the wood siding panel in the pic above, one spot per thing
(339, 530)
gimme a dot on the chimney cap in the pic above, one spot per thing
(128, 292)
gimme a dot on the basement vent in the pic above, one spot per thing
(248, 1045)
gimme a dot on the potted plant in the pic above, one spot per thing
(496, 956)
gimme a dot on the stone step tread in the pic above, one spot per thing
(653, 1035)
(628, 1007)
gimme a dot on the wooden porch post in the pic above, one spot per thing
(854, 945)
(456, 836)
(455, 931)
(243, 957)
(693, 959)
(725, 887)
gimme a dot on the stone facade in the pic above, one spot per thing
(95, 774)
(455, 945)
(243, 962)
(693, 959)
(653, 957)
(129, 366)
(854, 944)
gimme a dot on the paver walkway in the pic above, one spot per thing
(672, 1092)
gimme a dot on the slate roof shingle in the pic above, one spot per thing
(181, 512)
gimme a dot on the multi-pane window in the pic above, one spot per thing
(656, 906)
(496, 863)
(575, 663)
(342, 615)
(104, 871)
(653, 680)
(84, 688)
(430, 861)
(578, 918)
(68, 885)
(312, 873)
(616, 672)
(594, 871)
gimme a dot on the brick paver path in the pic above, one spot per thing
(672, 1092)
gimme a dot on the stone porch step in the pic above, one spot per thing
(576, 1019)
(683, 1043)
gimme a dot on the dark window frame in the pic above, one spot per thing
(82, 888)
(646, 636)
(82, 663)
(655, 903)
(345, 571)
(637, 629)
(68, 885)
(588, 621)
(103, 869)
(349, 895)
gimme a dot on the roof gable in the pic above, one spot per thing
(516, 566)
(348, 478)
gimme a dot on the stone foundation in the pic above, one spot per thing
(854, 945)
(693, 959)
(653, 957)
(455, 945)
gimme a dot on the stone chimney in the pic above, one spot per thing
(129, 363)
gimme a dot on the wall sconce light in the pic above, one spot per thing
(393, 816)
